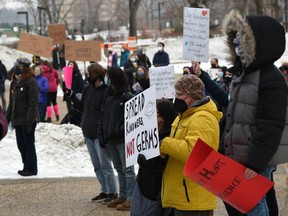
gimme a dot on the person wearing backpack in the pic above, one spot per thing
(256, 112)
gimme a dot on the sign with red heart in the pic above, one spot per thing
(204, 12)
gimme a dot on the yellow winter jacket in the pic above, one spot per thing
(179, 191)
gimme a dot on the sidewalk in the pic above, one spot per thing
(72, 197)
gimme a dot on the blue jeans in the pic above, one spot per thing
(102, 164)
(261, 209)
(126, 175)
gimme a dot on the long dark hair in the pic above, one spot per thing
(118, 79)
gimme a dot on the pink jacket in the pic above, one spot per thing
(52, 76)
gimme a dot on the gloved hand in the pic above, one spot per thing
(141, 160)
(102, 143)
(68, 92)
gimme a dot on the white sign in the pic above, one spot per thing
(163, 78)
(141, 130)
(196, 34)
(213, 73)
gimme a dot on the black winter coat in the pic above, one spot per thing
(111, 125)
(23, 104)
(91, 101)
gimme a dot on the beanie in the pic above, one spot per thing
(191, 85)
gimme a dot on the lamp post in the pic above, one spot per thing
(27, 22)
(159, 16)
(40, 18)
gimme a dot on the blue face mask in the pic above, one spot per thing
(132, 59)
(140, 73)
(220, 74)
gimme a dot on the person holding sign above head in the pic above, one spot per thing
(147, 192)
(256, 112)
(198, 117)
(111, 135)
(161, 58)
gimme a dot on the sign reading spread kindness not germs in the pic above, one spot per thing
(141, 131)
(196, 34)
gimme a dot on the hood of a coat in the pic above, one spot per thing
(45, 68)
(210, 107)
(262, 39)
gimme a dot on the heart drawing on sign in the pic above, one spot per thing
(204, 12)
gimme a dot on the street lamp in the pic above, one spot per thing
(27, 22)
(159, 15)
(40, 18)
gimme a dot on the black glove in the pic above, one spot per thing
(68, 93)
(102, 143)
(141, 160)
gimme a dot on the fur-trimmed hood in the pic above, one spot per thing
(262, 39)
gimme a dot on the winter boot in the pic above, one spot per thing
(49, 113)
(56, 111)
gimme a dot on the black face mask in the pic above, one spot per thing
(228, 80)
(17, 71)
(91, 81)
(180, 105)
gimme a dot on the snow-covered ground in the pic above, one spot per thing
(60, 148)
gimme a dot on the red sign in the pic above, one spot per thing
(223, 177)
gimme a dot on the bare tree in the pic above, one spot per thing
(133, 7)
(54, 10)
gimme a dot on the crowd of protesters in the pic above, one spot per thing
(205, 107)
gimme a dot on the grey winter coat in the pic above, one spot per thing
(257, 108)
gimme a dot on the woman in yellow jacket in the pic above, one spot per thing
(198, 118)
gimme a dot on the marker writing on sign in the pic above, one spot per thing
(208, 174)
(135, 106)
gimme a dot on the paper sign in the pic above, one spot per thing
(141, 131)
(213, 73)
(82, 50)
(196, 34)
(223, 177)
(57, 32)
(68, 76)
(132, 43)
(35, 44)
(163, 78)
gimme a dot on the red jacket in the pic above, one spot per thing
(52, 76)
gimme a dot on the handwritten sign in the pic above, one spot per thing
(196, 34)
(35, 44)
(82, 50)
(163, 78)
(141, 131)
(223, 177)
(57, 32)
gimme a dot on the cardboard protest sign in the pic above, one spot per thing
(35, 44)
(196, 34)
(82, 50)
(223, 177)
(57, 32)
(163, 78)
(141, 131)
